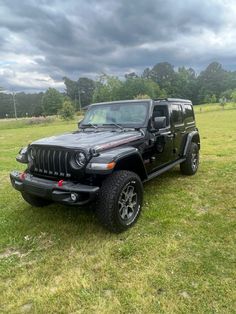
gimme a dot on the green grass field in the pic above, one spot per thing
(179, 258)
(214, 107)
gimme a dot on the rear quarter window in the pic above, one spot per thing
(188, 113)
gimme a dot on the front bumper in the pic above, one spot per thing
(50, 189)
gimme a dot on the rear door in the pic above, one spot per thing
(177, 128)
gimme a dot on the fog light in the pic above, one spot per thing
(74, 196)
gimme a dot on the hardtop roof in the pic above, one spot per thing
(141, 100)
(174, 100)
(121, 101)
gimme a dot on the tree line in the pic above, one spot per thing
(212, 85)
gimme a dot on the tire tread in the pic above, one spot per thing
(107, 198)
(186, 167)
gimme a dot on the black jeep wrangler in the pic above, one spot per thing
(119, 145)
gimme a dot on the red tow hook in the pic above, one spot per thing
(60, 183)
(22, 176)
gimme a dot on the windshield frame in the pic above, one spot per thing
(123, 125)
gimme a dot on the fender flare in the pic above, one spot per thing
(192, 137)
(132, 161)
(126, 158)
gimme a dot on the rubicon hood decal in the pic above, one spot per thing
(91, 140)
(117, 143)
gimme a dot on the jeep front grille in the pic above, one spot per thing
(51, 162)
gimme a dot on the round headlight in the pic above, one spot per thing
(32, 153)
(80, 159)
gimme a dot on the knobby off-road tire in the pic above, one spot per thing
(35, 200)
(120, 201)
(190, 165)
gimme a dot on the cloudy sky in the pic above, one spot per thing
(41, 41)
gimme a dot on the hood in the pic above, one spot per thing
(87, 140)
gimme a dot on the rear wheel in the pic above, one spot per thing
(190, 165)
(120, 201)
(35, 200)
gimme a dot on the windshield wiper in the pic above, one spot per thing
(88, 125)
(115, 124)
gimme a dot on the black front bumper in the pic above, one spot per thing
(50, 189)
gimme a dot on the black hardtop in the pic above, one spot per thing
(120, 102)
(156, 100)
(173, 100)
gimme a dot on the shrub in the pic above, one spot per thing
(142, 96)
(67, 111)
(233, 96)
(52, 101)
(39, 120)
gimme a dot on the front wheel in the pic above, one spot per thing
(190, 165)
(120, 201)
(35, 200)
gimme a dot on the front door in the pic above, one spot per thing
(160, 148)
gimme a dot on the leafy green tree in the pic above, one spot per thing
(107, 88)
(181, 83)
(186, 84)
(86, 88)
(140, 96)
(81, 91)
(135, 86)
(153, 90)
(29, 104)
(147, 74)
(72, 90)
(233, 96)
(67, 111)
(162, 80)
(111, 88)
(164, 75)
(6, 107)
(213, 80)
(213, 99)
(230, 80)
(210, 99)
(227, 94)
(52, 101)
(26, 104)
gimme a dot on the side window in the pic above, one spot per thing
(161, 111)
(188, 113)
(158, 112)
(176, 114)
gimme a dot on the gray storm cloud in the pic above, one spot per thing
(42, 41)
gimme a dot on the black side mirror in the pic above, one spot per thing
(159, 123)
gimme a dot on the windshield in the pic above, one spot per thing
(126, 114)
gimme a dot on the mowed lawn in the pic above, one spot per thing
(179, 258)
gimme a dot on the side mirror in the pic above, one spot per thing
(159, 123)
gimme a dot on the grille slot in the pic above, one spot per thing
(51, 162)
